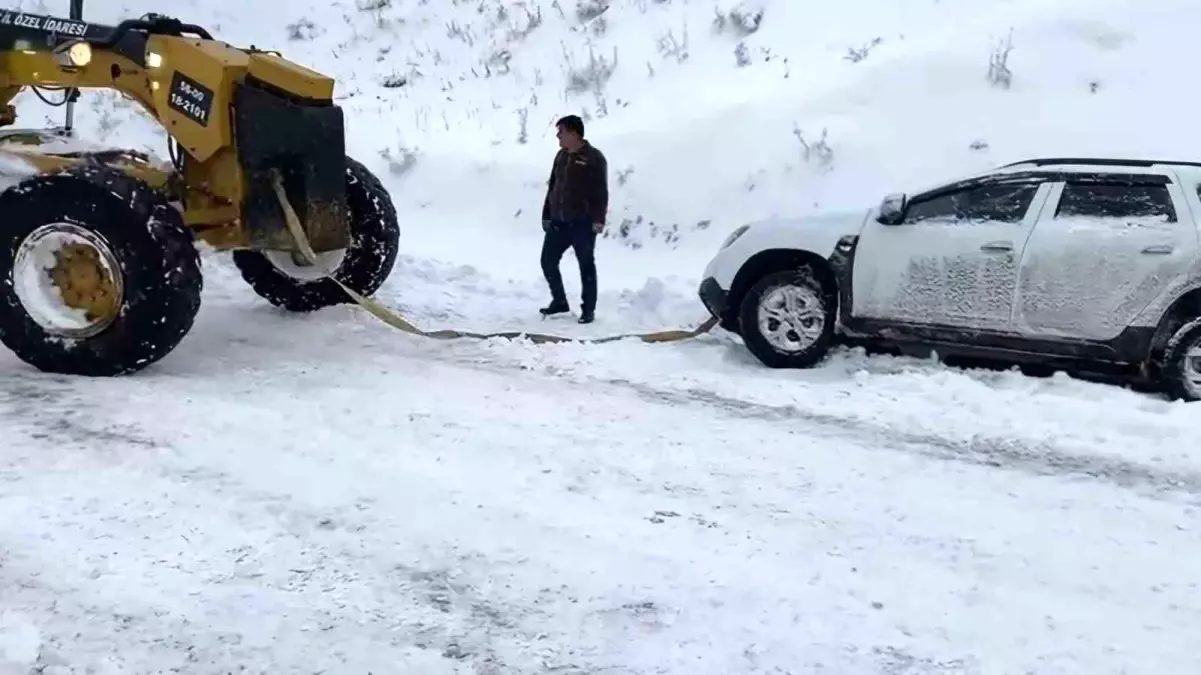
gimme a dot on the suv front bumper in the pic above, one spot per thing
(714, 298)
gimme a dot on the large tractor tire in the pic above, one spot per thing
(100, 275)
(364, 266)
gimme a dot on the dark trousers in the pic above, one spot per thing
(579, 237)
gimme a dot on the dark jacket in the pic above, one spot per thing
(578, 189)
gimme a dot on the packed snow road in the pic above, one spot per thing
(319, 494)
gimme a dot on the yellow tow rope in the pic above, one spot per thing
(394, 319)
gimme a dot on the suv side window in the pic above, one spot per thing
(1101, 200)
(999, 203)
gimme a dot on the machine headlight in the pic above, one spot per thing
(74, 55)
(734, 236)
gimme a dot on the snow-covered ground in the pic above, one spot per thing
(300, 494)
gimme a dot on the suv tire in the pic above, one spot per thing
(1180, 372)
(787, 318)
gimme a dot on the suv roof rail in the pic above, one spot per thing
(1100, 161)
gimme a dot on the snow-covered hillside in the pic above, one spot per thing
(298, 494)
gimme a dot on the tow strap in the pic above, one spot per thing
(394, 319)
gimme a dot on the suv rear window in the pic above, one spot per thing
(1098, 200)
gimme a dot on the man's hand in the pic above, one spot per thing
(598, 227)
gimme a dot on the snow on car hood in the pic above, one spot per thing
(847, 220)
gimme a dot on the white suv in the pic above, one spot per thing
(1081, 264)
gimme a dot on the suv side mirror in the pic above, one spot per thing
(892, 209)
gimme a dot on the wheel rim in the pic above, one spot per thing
(297, 267)
(68, 280)
(791, 318)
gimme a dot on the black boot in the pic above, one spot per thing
(586, 316)
(555, 308)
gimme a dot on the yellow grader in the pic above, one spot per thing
(98, 260)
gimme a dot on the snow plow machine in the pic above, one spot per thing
(98, 258)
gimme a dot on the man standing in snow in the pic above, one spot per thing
(577, 199)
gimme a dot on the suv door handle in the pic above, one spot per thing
(1158, 250)
(996, 246)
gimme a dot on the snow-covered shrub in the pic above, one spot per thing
(857, 54)
(591, 76)
(671, 48)
(519, 28)
(523, 121)
(743, 19)
(303, 29)
(587, 10)
(816, 152)
(401, 162)
(999, 74)
(742, 56)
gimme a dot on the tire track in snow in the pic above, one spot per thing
(1003, 453)
(1046, 459)
(436, 600)
(24, 396)
(992, 452)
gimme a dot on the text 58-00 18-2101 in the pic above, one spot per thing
(191, 98)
